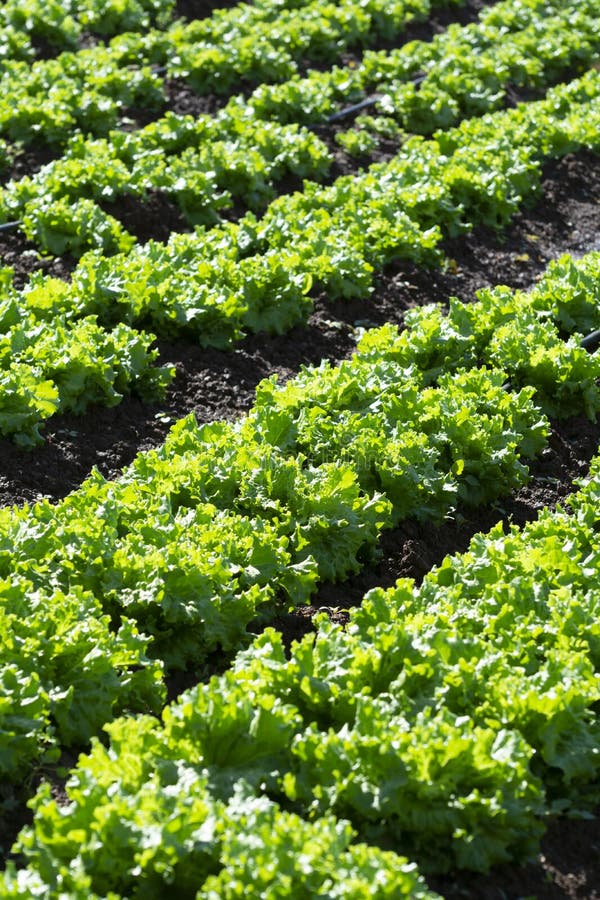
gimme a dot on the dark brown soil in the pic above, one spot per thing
(200, 9)
(154, 218)
(27, 160)
(567, 868)
(24, 258)
(181, 99)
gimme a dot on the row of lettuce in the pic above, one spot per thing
(446, 721)
(151, 27)
(216, 284)
(423, 85)
(90, 90)
(462, 71)
(30, 28)
(207, 164)
(228, 525)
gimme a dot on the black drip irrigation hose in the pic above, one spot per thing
(356, 107)
(364, 104)
(591, 341)
(9, 226)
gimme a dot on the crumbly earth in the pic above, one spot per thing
(215, 384)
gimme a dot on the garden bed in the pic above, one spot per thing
(220, 385)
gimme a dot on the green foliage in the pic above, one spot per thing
(201, 164)
(463, 71)
(422, 446)
(519, 331)
(213, 284)
(89, 89)
(26, 400)
(68, 365)
(62, 227)
(61, 24)
(209, 849)
(357, 143)
(65, 671)
(86, 90)
(227, 525)
(450, 716)
(266, 48)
